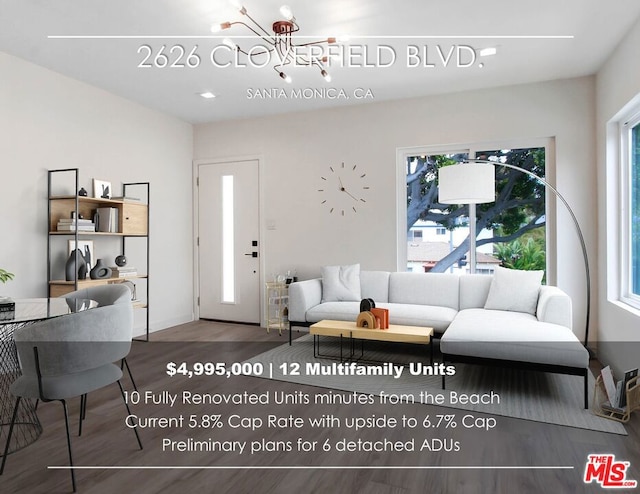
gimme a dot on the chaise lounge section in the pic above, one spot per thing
(505, 320)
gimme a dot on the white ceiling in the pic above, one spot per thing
(596, 28)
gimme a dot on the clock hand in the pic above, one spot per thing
(350, 194)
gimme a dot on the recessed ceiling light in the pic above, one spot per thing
(208, 95)
(486, 52)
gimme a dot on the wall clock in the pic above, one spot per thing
(344, 189)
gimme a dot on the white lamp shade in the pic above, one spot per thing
(467, 183)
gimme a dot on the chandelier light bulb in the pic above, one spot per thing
(286, 12)
(217, 27)
(286, 78)
(236, 4)
(326, 75)
(487, 52)
(229, 42)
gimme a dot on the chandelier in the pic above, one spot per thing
(279, 44)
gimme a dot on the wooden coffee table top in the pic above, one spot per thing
(348, 329)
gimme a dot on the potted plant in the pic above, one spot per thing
(4, 277)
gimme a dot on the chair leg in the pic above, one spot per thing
(66, 423)
(135, 429)
(6, 447)
(83, 412)
(586, 391)
(123, 364)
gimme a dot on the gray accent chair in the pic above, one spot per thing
(104, 295)
(72, 355)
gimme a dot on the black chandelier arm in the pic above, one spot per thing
(278, 68)
(575, 224)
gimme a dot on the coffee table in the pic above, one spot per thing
(348, 329)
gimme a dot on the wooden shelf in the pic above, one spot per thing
(102, 234)
(58, 288)
(101, 281)
(95, 200)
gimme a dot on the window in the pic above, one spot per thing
(630, 137)
(510, 232)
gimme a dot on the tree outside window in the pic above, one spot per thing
(514, 224)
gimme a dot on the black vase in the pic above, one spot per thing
(100, 271)
(76, 266)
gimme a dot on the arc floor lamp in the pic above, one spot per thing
(473, 182)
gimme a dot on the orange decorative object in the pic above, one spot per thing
(366, 320)
(382, 315)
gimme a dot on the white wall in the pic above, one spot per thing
(49, 121)
(618, 82)
(298, 148)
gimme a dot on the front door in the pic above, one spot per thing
(228, 231)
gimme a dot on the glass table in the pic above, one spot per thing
(27, 311)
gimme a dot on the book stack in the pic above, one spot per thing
(7, 309)
(616, 391)
(123, 271)
(72, 224)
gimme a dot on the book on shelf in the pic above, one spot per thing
(123, 272)
(79, 221)
(125, 198)
(7, 315)
(107, 220)
(630, 374)
(7, 304)
(72, 227)
(606, 406)
(609, 384)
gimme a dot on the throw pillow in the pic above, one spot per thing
(514, 290)
(340, 283)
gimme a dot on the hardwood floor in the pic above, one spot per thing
(106, 441)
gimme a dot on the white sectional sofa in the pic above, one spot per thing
(461, 311)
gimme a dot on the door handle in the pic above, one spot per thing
(252, 254)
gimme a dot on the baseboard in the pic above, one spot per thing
(163, 324)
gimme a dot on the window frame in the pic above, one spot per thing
(625, 129)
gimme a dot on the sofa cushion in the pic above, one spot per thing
(515, 336)
(514, 290)
(341, 283)
(474, 289)
(429, 316)
(338, 311)
(375, 285)
(437, 289)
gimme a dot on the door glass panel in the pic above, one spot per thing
(228, 243)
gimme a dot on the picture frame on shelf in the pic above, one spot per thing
(86, 247)
(101, 189)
